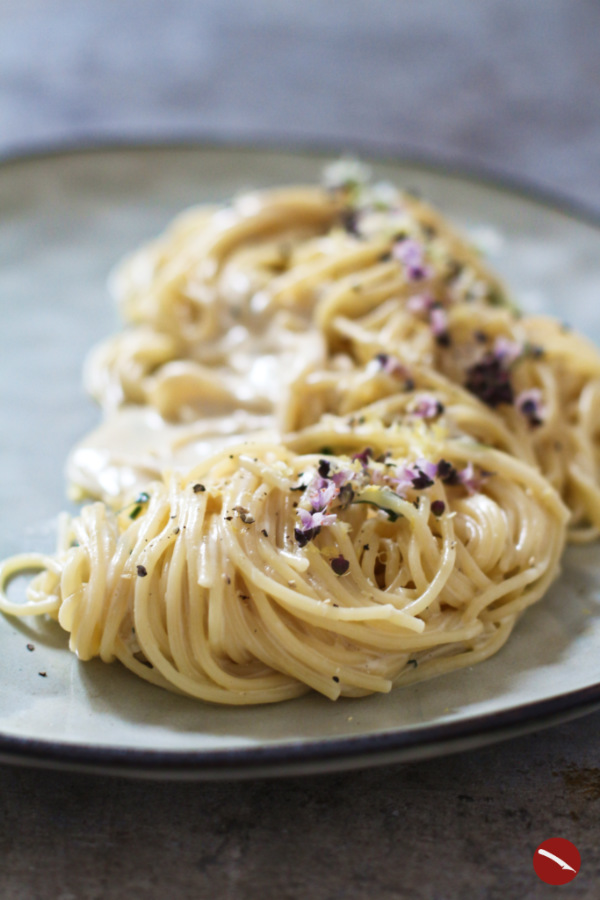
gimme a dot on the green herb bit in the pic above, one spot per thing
(385, 500)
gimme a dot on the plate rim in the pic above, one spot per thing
(305, 756)
(321, 754)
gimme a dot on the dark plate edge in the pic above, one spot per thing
(300, 757)
(312, 755)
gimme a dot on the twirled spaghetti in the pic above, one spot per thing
(262, 573)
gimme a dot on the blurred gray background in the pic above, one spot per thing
(512, 85)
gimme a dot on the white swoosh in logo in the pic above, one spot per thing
(557, 859)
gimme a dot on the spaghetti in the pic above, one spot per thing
(334, 455)
(263, 573)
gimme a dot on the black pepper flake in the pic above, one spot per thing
(480, 336)
(443, 339)
(324, 468)
(228, 518)
(438, 507)
(30, 647)
(198, 488)
(366, 547)
(176, 530)
(340, 565)
(43, 674)
(336, 679)
(490, 381)
(142, 571)
(412, 662)
(265, 532)
(244, 515)
(327, 451)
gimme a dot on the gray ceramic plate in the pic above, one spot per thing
(65, 219)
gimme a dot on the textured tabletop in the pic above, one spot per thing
(501, 85)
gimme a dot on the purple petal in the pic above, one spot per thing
(507, 351)
(420, 303)
(438, 321)
(428, 468)
(428, 407)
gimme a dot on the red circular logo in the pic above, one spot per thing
(556, 861)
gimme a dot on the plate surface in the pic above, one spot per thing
(65, 219)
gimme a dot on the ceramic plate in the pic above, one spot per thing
(65, 219)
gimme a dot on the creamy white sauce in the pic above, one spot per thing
(135, 444)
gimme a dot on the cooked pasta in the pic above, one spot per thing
(263, 573)
(334, 455)
(262, 306)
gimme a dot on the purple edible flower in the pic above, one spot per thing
(392, 366)
(402, 480)
(418, 476)
(438, 507)
(363, 457)
(411, 254)
(420, 304)
(489, 380)
(438, 321)
(507, 351)
(469, 479)
(311, 524)
(530, 404)
(428, 468)
(321, 492)
(341, 477)
(428, 407)
(340, 565)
